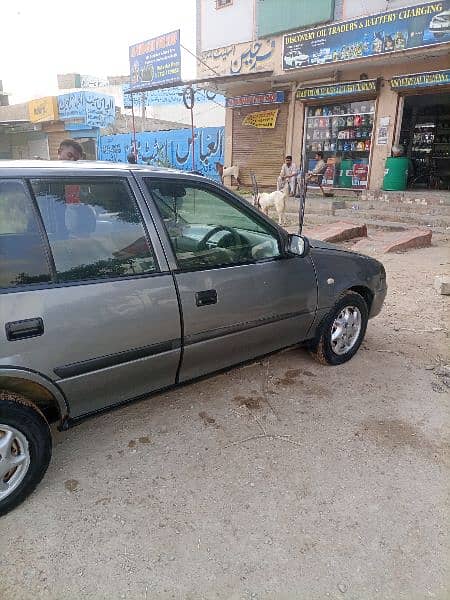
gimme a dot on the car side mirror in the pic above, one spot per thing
(297, 245)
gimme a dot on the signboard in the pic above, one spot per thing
(71, 106)
(393, 31)
(100, 109)
(156, 61)
(238, 59)
(170, 96)
(265, 119)
(429, 79)
(169, 148)
(96, 110)
(348, 88)
(43, 109)
(255, 99)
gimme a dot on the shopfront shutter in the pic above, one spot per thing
(259, 150)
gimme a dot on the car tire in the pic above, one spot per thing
(25, 447)
(342, 331)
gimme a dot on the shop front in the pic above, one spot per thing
(424, 127)
(339, 122)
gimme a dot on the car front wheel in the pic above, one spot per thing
(342, 331)
(25, 449)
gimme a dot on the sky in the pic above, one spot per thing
(40, 39)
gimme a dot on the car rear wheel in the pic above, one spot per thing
(25, 449)
(342, 331)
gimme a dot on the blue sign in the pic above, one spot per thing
(169, 148)
(393, 31)
(72, 106)
(96, 110)
(428, 79)
(170, 96)
(100, 109)
(156, 61)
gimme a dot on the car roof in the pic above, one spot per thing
(38, 167)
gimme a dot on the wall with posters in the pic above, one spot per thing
(168, 148)
(401, 29)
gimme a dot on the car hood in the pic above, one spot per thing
(319, 245)
(324, 245)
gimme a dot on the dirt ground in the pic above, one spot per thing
(282, 479)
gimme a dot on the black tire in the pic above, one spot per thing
(20, 414)
(321, 348)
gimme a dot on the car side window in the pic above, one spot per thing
(208, 230)
(23, 258)
(94, 228)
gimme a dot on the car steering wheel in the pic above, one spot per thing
(237, 241)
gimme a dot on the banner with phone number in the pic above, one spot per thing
(401, 29)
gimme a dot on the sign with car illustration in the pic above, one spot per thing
(393, 31)
(156, 61)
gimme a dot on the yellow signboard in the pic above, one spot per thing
(264, 119)
(43, 109)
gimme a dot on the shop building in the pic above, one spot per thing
(353, 86)
(36, 129)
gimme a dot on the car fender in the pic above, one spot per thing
(34, 377)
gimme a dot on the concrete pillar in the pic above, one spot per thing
(290, 121)
(386, 107)
(228, 141)
(297, 139)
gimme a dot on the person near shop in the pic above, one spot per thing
(316, 175)
(288, 173)
(70, 150)
(131, 158)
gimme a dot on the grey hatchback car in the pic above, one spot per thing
(118, 281)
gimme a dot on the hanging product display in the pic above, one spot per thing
(343, 132)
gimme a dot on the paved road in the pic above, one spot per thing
(283, 479)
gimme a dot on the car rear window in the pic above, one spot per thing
(23, 259)
(94, 228)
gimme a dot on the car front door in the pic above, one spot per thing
(241, 295)
(106, 315)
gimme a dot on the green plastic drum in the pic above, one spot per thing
(396, 173)
(345, 174)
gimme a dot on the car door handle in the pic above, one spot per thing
(206, 297)
(28, 328)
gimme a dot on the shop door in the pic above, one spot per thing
(257, 150)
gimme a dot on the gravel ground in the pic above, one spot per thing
(281, 479)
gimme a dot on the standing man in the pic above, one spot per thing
(70, 150)
(288, 173)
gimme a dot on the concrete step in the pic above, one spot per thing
(340, 231)
(387, 242)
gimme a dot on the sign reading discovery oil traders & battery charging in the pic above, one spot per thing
(156, 61)
(401, 29)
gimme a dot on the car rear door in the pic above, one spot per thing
(107, 321)
(241, 296)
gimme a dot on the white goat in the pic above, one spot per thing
(232, 171)
(277, 199)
